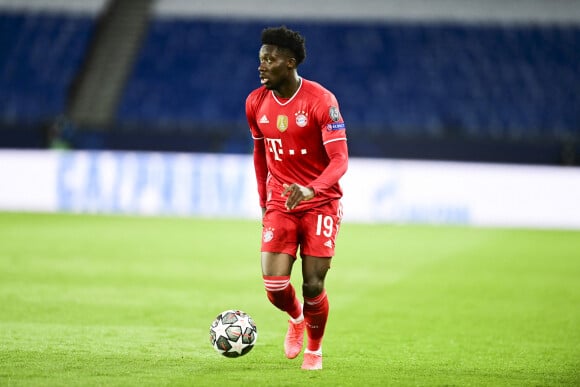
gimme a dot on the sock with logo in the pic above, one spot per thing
(315, 314)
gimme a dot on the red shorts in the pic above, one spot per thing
(313, 230)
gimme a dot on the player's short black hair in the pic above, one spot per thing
(286, 38)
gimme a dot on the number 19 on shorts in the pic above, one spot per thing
(324, 225)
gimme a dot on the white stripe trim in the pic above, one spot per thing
(314, 302)
(276, 285)
(291, 98)
(276, 282)
(334, 139)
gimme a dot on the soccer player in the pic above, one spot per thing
(300, 153)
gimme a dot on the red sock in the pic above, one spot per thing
(315, 315)
(281, 294)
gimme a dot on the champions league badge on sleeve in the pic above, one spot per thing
(335, 126)
(335, 117)
(334, 114)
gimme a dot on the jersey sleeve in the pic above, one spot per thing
(251, 107)
(261, 171)
(334, 139)
(338, 154)
(259, 153)
(330, 120)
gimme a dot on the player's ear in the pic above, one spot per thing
(291, 63)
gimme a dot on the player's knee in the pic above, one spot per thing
(279, 290)
(312, 287)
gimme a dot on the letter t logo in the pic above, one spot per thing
(275, 146)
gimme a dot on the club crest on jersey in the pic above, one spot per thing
(268, 235)
(301, 118)
(282, 123)
(334, 114)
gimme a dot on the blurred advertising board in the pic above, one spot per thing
(220, 185)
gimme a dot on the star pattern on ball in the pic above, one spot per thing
(237, 346)
(220, 329)
(233, 333)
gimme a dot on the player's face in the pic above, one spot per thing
(275, 67)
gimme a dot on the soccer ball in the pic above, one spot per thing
(233, 333)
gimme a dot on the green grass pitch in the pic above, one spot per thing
(127, 301)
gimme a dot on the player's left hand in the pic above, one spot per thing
(296, 193)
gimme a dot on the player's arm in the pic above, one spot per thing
(334, 140)
(259, 154)
(338, 154)
(261, 170)
(296, 193)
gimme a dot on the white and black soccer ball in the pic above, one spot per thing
(233, 333)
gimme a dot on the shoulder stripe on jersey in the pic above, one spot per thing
(257, 138)
(334, 139)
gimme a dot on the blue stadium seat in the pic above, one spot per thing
(408, 79)
(40, 54)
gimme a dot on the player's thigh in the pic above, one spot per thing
(279, 242)
(315, 268)
(277, 264)
(314, 271)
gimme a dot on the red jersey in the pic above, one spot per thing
(305, 142)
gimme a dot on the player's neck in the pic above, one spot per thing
(289, 88)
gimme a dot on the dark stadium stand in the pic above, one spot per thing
(40, 54)
(406, 89)
(481, 81)
(188, 72)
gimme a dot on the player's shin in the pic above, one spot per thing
(282, 295)
(315, 315)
